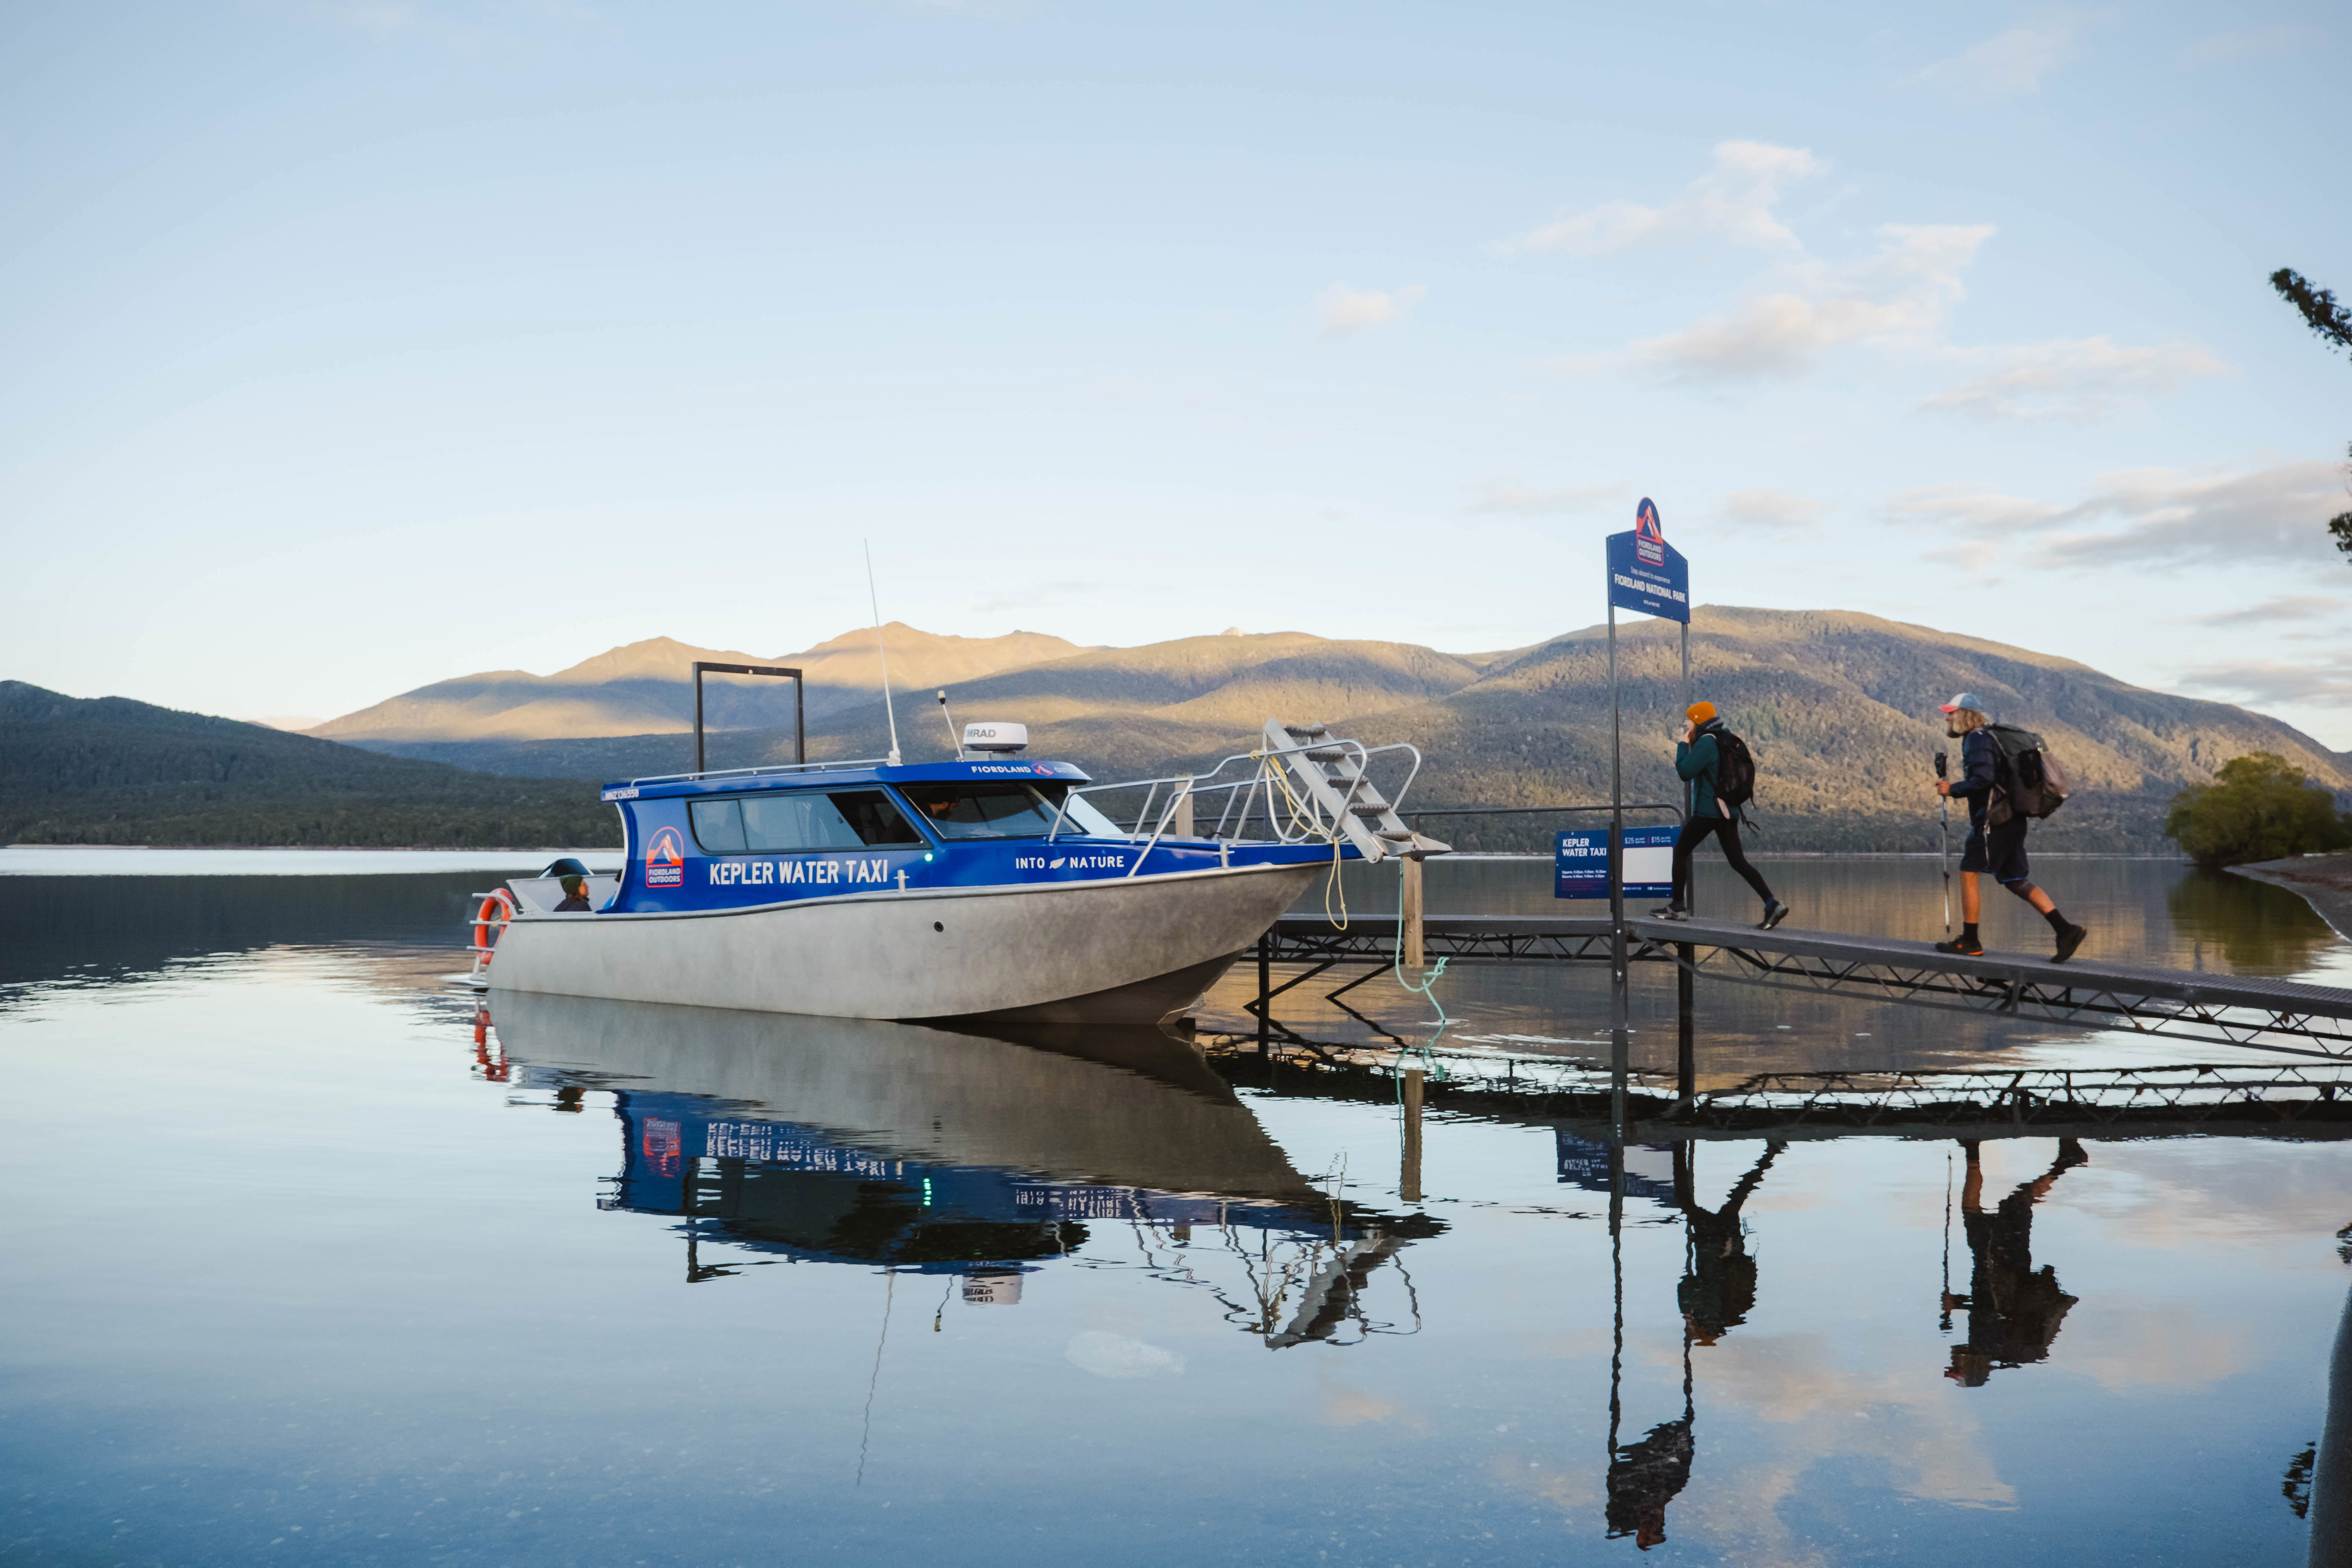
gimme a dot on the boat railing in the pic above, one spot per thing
(1293, 817)
(836, 763)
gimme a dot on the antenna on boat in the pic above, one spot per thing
(874, 600)
(954, 733)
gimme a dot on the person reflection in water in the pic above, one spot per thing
(1718, 1284)
(2014, 1311)
(1716, 1293)
(575, 898)
(1645, 1477)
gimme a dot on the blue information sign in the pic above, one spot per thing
(1645, 573)
(1581, 863)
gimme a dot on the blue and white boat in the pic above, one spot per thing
(989, 889)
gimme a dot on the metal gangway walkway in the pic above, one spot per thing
(2250, 1012)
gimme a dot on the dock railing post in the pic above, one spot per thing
(1409, 907)
(1686, 1047)
(1409, 1180)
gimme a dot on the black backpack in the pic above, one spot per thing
(2027, 779)
(1735, 771)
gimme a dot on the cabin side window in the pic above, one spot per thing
(717, 826)
(801, 822)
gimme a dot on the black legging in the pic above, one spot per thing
(1695, 831)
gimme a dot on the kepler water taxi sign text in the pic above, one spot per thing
(1645, 573)
(1581, 863)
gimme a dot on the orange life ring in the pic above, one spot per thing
(498, 907)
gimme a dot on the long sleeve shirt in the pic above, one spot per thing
(1695, 764)
(1980, 756)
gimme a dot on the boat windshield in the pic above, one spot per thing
(1007, 810)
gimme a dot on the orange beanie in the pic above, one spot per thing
(1699, 713)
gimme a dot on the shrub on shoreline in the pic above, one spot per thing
(2259, 807)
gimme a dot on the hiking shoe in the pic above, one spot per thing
(2068, 940)
(1962, 946)
(1774, 913)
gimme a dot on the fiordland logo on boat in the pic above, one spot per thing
(665, 860)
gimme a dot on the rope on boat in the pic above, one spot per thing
(1308, 822)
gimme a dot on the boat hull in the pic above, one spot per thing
(1118, 949)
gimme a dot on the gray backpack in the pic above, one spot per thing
(2027, 781)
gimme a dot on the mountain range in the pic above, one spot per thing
(1838, 707)
(113, 771)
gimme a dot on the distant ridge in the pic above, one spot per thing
(644, 688)
(1840, 705)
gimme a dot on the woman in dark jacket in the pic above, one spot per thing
(1697, 760)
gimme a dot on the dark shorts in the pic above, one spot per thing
(2000, 850)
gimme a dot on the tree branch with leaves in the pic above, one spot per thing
(2333, 323)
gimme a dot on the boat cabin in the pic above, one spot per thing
(720, 842)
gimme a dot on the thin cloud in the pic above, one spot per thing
(2008, 65)
(2171, 517)
(1773, 512)
(1732, 200)
(2286, 607)
(1899, 299)
(2149, 517)
(1344, 310)
(2245, 44)
(1900, 296)
(2077, 381)
(1509, 498)
(2324, 683)
(1969, 509)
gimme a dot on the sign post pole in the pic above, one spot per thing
(1648, 575)
(1619, 1047)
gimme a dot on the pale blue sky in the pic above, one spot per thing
(347, 347)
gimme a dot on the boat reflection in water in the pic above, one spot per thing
(782, 1138)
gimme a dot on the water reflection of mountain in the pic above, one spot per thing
(852, 1141)
(106, 930)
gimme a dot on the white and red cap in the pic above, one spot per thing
(1967, 699)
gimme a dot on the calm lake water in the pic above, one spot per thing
(309, 1259)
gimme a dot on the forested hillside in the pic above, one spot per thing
(1840, 708)
(113, 771)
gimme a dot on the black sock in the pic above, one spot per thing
(2057, 921)
(1969, 932)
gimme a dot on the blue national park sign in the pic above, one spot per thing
(1645, 573)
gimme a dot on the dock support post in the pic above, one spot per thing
(1408, 1182)
(1265, 991)
(1685, 1049)
(1409, 908)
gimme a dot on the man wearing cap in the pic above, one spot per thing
(1698, 760)
(2000, 850)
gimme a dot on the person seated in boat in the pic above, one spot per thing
(575, 898)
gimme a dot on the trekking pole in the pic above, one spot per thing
(1943, 812)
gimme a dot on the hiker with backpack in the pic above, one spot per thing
(1720, 774)
(2007, 780)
